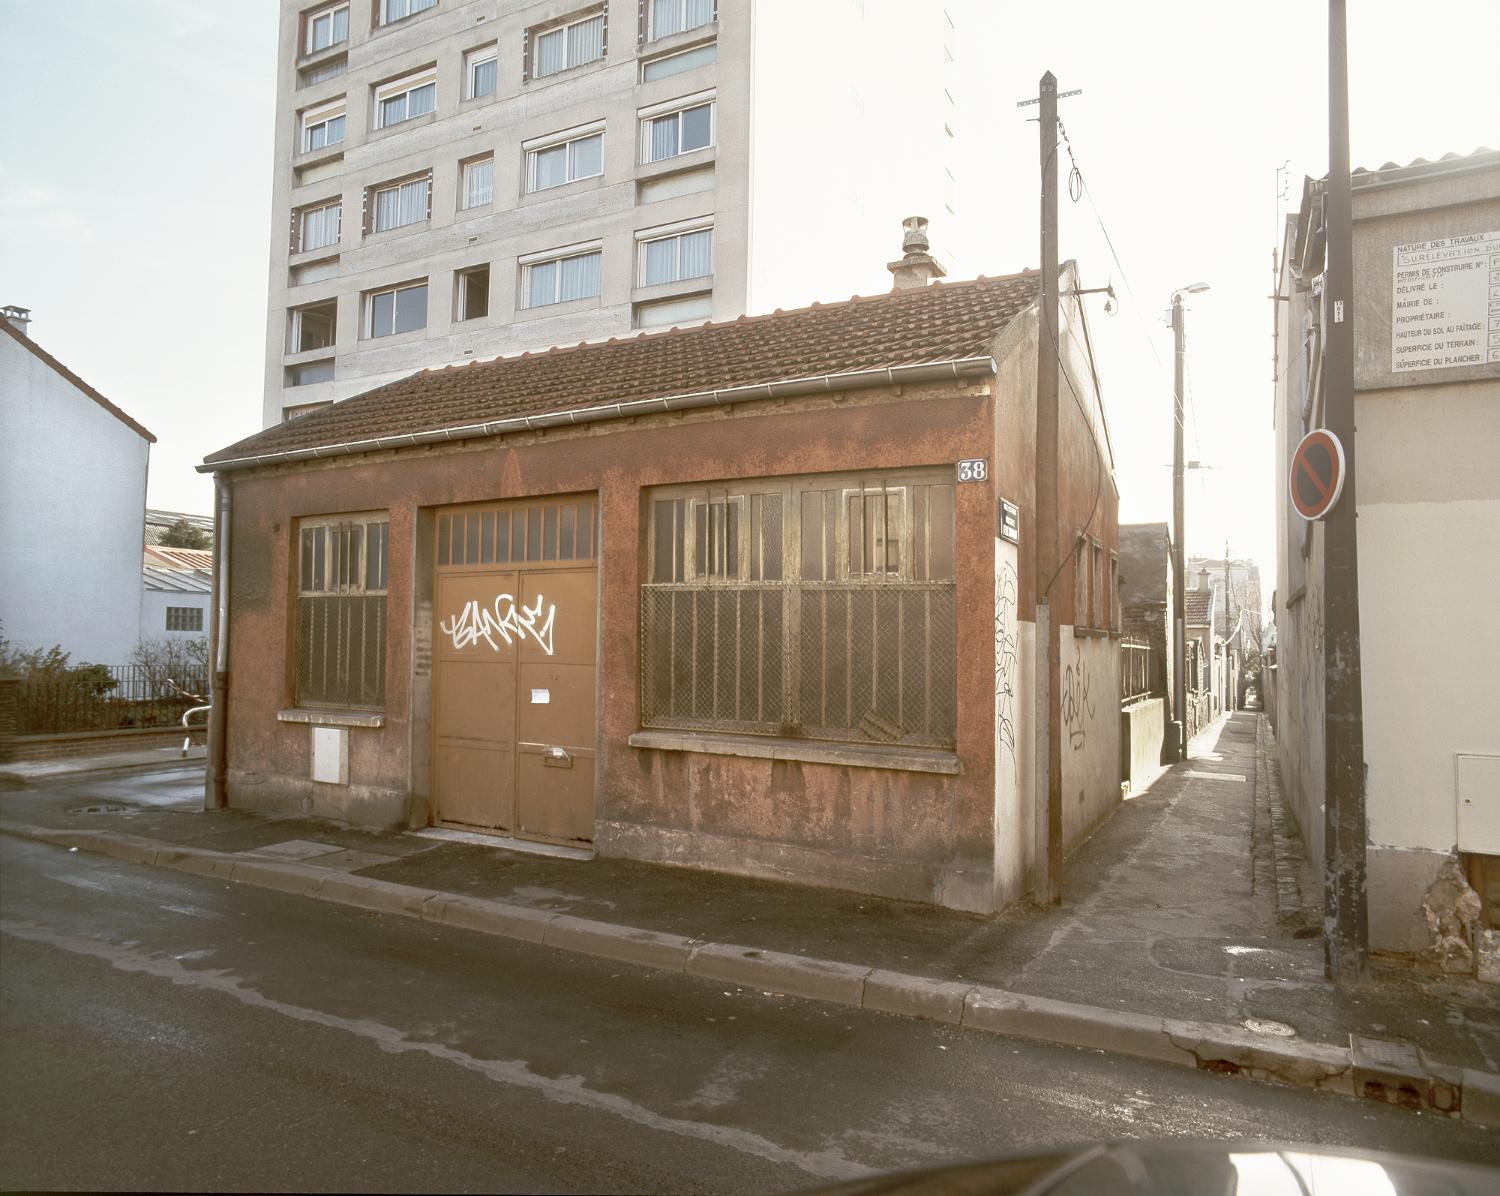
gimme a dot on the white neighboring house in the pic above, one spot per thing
(176, 585)
(72, 506)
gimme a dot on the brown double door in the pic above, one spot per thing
(515, 628)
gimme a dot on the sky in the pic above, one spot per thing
(135, 192)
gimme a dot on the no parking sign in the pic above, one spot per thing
(1317, 475)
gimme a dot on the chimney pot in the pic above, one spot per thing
(917, 266)
(17, 317)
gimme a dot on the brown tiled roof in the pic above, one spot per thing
(1196, 607)
(46, 358)
(937, 323)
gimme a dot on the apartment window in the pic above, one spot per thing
(397, 309)
(682, 131)
(678, 16)
(472, 300)
(326, 27)
(184, 618)
(1115, 622)
(675, 64)
(818, 607)
(404, 99)
(407, 201)
(309, 372)
(573, 43)
(341, 615)
(560, 276)
(317, 227)
(314, 326)
(480, 71)
(478, 183)
(397, 10)
(564, 158)
(1099, 610)
(676, 257)
(323, 126)
(665, 313)
(323, 71)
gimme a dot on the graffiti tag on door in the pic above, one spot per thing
(505, 619)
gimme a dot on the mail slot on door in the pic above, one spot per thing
(556, 757)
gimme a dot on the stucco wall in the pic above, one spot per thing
(922, 835)
(154, 605)
(72, 515)
(1090, 677)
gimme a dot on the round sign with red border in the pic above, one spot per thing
(1317, 474)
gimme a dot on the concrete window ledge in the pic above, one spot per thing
(332, 718)
(855, 755)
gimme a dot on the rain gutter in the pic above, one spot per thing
(899, 375)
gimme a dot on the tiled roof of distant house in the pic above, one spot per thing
(1196, 607)
(934, 324)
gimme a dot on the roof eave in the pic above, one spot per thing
(898, 375)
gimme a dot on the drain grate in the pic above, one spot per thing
(101, 808)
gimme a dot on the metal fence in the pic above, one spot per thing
(872, 662)
(1137, 678)
(106, 698)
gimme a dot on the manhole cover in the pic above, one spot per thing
(104, 808)
(1261, 1025)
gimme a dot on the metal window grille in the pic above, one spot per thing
(822, 610)
(341, 613)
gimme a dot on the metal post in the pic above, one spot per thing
(1179, 570)
(1048, 886)
(1346, 912)
(215, 796)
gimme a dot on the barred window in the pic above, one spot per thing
(821, 607)
(341, 619)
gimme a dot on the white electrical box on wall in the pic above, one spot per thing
(330, 755)
(1478, 803)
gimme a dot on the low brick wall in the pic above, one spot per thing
(1143, 728)
(98, 743)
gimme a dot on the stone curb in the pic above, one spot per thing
(1207, 1046)
(14, 777)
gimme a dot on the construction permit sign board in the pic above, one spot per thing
(1317, 474)
(1446, 303)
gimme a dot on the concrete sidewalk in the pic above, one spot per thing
(21, 773)
(1172, 914)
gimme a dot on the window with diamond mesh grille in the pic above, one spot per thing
(820, 607)
(341, 617)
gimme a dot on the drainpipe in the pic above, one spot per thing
(214, 797)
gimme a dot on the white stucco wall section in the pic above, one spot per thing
(72, 514)
(154, 605)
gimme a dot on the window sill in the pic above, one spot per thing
(325, 54)
(546, 311)
(854, 755)
(1091, 633)
(681, 289)
(647, 172)
(396, 232)
(672, 43)
(592, 183)
(332, 718)
(317, 157)
(570, 72)
(306, 257)
(326, 353)
(401, 126)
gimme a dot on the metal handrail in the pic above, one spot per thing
(187, 740)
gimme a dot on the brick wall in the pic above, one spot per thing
(98, 743)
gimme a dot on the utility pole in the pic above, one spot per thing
(1048, 886)
(1346, 909)
(1179, 570)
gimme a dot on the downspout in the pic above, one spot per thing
(214, 796)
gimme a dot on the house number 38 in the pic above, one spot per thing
(975, 470)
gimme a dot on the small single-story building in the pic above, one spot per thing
(174, 601)
(754, 596)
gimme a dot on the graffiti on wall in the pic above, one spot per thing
(1005, 666)
(506, 619)
(1077, 705)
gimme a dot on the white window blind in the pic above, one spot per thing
(569, 45)
(322, 128)
(479, 183)
(404, 101)
(671, 259)
(565, 162)
(403, 203)
(319, 227)
(395, 10)
(678, 16)
(679, 132)
(562, 279)
(327, 28)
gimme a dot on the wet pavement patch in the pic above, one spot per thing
(1250, 959)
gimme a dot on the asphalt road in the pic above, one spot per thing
(162, 1031)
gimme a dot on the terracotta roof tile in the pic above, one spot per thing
(1196, 607)
(941, 322)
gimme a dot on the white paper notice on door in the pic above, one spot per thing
(541, 697)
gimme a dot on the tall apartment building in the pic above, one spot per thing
(463, 179)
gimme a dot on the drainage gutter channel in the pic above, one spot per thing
(1394, 1072)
